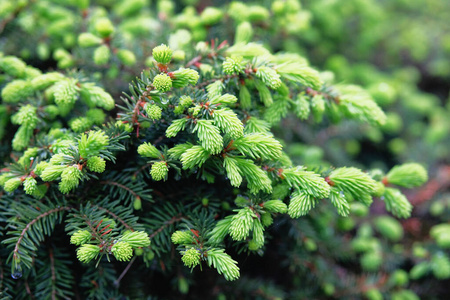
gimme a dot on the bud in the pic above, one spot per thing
(379, 189)
(126, 57)
(440, 265)
(80, 237)
(162, 54)
(258, 13)
(29, 185)
(70, 178)
(162, 82)
(301, 107)
(359, 209)
(153, 111)
(87, 39)
(102, 55)
(182, 237)
(148, 150)
(318, 107)
(373, 294)
(12, 184)
(389, 228)
(179, 55)
(191, 257)
(159, 170)
(87, 252)
(244, 33)
(233, 65)
(80, 124)
(17, 91)
(399, 278)
(408, 175)
(96, 164)
(12, 66)
(185, 101)
(371, 261)
(136, 239)
(122, 251)
(183, 77)
(266, 219)
(419, 270)
(137, 203)
(104, 27)
(211, 15)
(276, 206)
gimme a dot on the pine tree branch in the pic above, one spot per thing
(28, 289)
(117, 218)
(24, 231)
(167, 223)
(110, 182)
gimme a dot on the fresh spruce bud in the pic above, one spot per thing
(318, 107)
(302, 107)
(96, 164)
(185, 101)
(211, 15)
(373, 294)
(104, 27)
(269, 76)
(29, 185)
(275, 206)
(153, 111)
(102, 55)
(182, 237)
(162, 82)
(179, 55)
(389, 228)
(87, 252)
(80, 124)
(419, 270)
(244, 33)
(87, 39)
(399, 278)
(266, 219)
(408, 175)
(70, 178)
(96, 116)
(136, 239)
(191, 257)
(371, 261)
(17, 91)
(12, 184)
(258, 13)
(440, 266)
(358, 209)
(379, 189)
(159, 170)
(126, 57)
(80, 237)
(233, 65)
(12, 66)
(148, 150)
(184, 77)
(66, 94)
(162, 54)
(122, 251)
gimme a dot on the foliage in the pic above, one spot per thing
(131, 129)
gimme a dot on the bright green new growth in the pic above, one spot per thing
(182, 237)
(408, 175)
(241, 224)
(162, 82)
(80, 237)
(122, 251)
(87, 252)
(191, 257)
(162, 54)
(96, 164)
(16, 91)
(159, 170)
(148, 150)
(233, 65)
(397, 203)
(153, 111)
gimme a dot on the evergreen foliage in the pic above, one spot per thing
(122, 150)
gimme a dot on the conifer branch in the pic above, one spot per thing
(116, 217)
(165, 224)
(30, 224)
